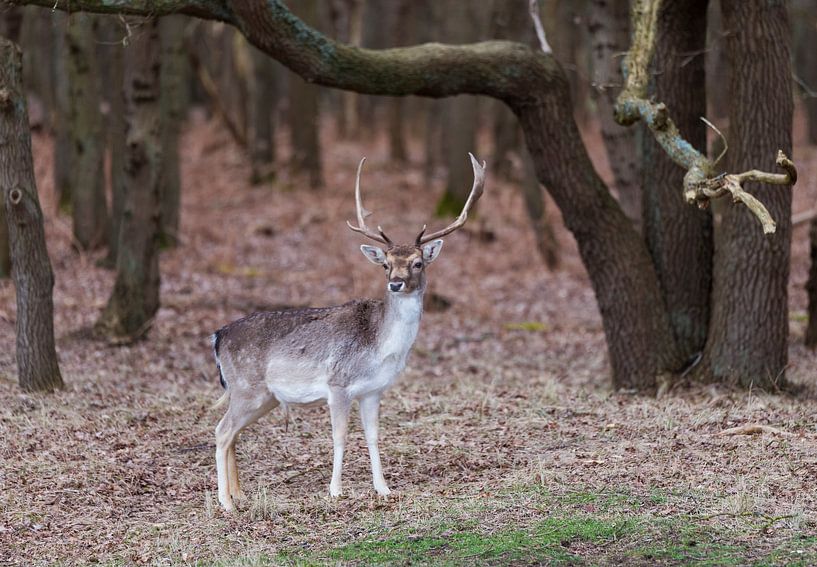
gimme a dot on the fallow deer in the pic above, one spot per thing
(337, 355)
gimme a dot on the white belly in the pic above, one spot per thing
(297, 382)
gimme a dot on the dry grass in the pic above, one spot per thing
(492, 427)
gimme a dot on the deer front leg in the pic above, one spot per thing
(369, 416)
(339, 406)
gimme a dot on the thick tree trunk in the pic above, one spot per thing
(546, 241)
(263, 111)
(678, 236)
(135, 296)
(749, 328)
(37, 364)
(174, 80)
(86, 128)
(639, 338)
(609, 26)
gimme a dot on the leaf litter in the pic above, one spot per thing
(508, 387)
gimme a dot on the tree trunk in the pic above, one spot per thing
(639, 338)
(679, 236)
(748, 332)
(263, 110)
(174, 80)
(401, 27)
(37, 364)
(304, 119)
(804, 20)
(86, 127)
(609, 26)
(63, 146)
(135, 296)
(546, 241)
(351, 123)
(116, 141)
(811, 288)
(10, 23)
(717, 68)
(459, 118)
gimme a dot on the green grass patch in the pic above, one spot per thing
(548, 541)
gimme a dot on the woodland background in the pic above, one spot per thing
(505, 440)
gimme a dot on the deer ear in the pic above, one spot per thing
(432, 250)
(374, 254)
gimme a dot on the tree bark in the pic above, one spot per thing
(135, 296)
(546, 241)
(609, 26)
(174, 81)
(37, 365)
(10, 25)
(749, 327)
(679, 236)
(86, 129)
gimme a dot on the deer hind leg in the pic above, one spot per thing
(232, 473)
(369, 415)
(244, 410)
(339, 406)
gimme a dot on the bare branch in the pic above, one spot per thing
(700, 183)
(540, 29)
(804, 217)
(733, 183)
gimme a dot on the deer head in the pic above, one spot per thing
(405, 264)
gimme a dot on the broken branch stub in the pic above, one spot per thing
(702, 191)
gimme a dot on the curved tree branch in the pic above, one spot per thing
(500, 69)
(700, 183)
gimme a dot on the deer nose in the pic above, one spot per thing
(396, 286)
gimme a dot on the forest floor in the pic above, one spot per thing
(502, 442)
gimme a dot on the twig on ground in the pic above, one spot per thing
(754, 429)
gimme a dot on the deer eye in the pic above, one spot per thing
(385, 266)
(418, 264)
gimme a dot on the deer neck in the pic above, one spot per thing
(401, 321)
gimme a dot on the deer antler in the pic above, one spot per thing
(362, 213)
(473, 197)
